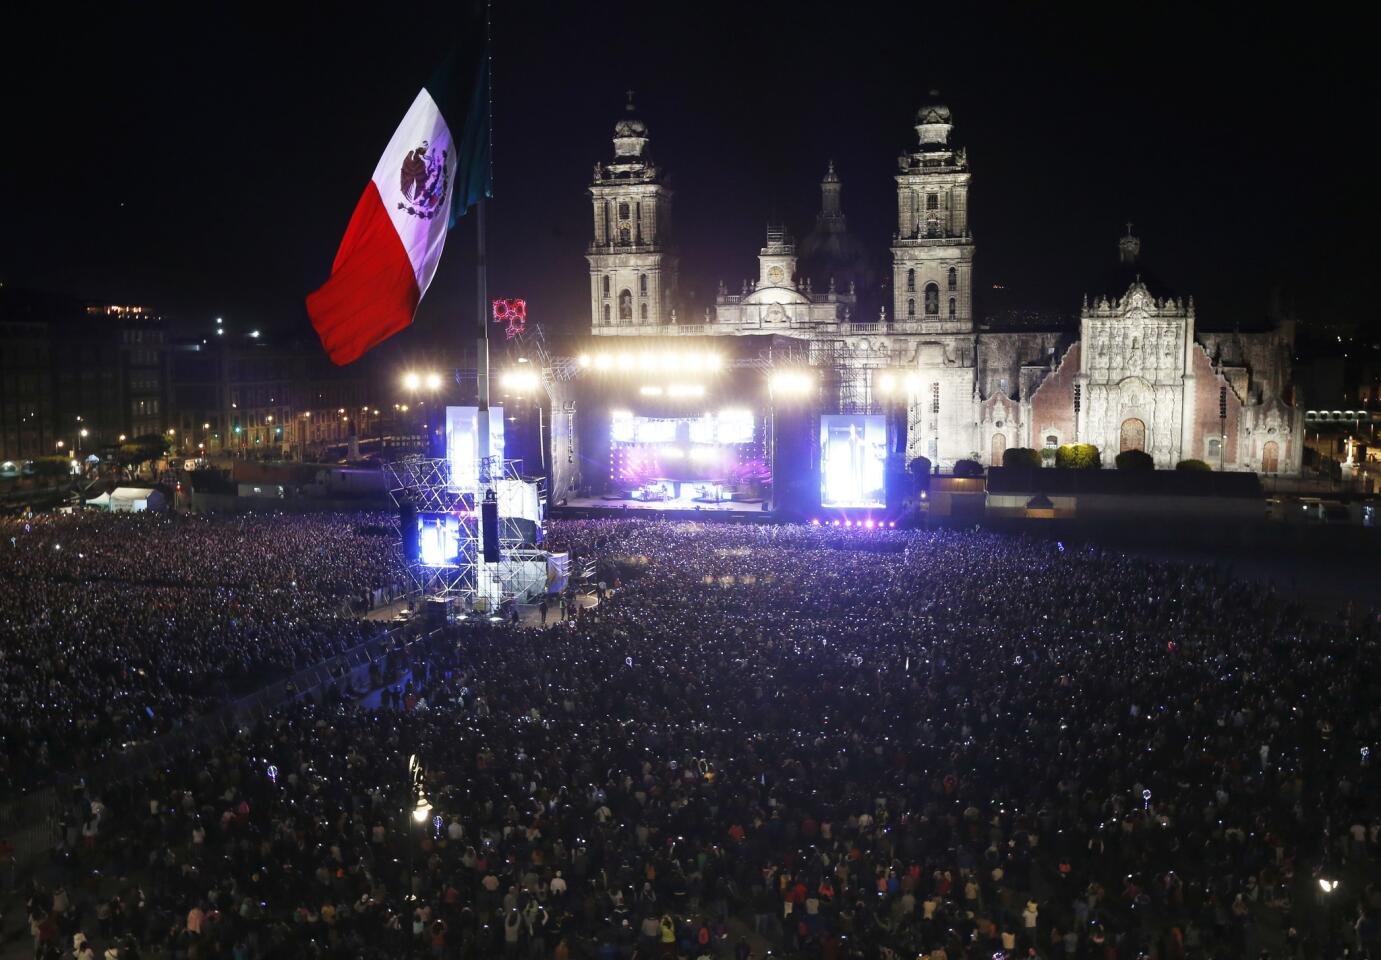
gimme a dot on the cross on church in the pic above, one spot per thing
(630, 100)
(1129, 228)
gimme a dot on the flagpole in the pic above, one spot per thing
(482, 275)
(484, 486)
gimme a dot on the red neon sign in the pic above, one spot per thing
(513, 314)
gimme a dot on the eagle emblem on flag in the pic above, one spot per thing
(423, 181)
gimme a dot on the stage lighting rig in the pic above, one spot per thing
(519, 381)
(791, 383)
(691, 363)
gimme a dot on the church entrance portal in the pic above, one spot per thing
(1270, 457)
(999, 445)
(1133, 435)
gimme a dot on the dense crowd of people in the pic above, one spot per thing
(816, 742)
(116, 627)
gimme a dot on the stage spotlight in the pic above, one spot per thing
(868, 523)
(625, 361)
(412, 381)
(713, 362)
(602, 362)
(892, 523)
(791, 383)
(836, 523)
(848, 523)
(519, 381)
(433, 381)
(815, 521)
(583, 360)
(650, 391)
(887, 383)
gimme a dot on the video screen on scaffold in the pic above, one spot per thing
(853, 457)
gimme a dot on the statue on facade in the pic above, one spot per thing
(851, 288)
(831, 284)
(599, 172)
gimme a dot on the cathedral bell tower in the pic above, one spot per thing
(932, 252)
(632, 275)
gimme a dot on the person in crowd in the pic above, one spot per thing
(829, 744)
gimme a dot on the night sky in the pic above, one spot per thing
(205, 163)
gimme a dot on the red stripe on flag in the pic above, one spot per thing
(372, 293)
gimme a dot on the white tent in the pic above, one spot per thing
(135, 499)
(103, 501)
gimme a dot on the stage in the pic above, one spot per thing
(681, 506)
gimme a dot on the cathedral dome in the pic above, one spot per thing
(630, 127)
(934, 112)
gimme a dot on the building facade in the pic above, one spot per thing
(1136, 374)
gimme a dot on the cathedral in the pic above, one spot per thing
(1137, 374)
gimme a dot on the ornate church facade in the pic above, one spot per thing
(1137, 374)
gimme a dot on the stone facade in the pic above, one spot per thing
(632, 274)
(1137, 374)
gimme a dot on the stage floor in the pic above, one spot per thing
(679, 505)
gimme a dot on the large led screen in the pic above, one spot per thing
(724, 449)
(853, 457)
(462, 445)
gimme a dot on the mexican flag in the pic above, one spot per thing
(435, 168)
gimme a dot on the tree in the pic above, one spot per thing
(919, 468)
(1021, 458)
(1193, 466)
(1078, 456)
(968, 468)
(1135, 461)
(142, 449)
(50, 467)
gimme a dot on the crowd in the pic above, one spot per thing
(116, 627)
(816, 742)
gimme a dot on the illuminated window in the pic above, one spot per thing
(932, 201)
(953, 279)
(623, 211)
(606, 284)
(642, 285)
(910, 281)
(932, 300)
